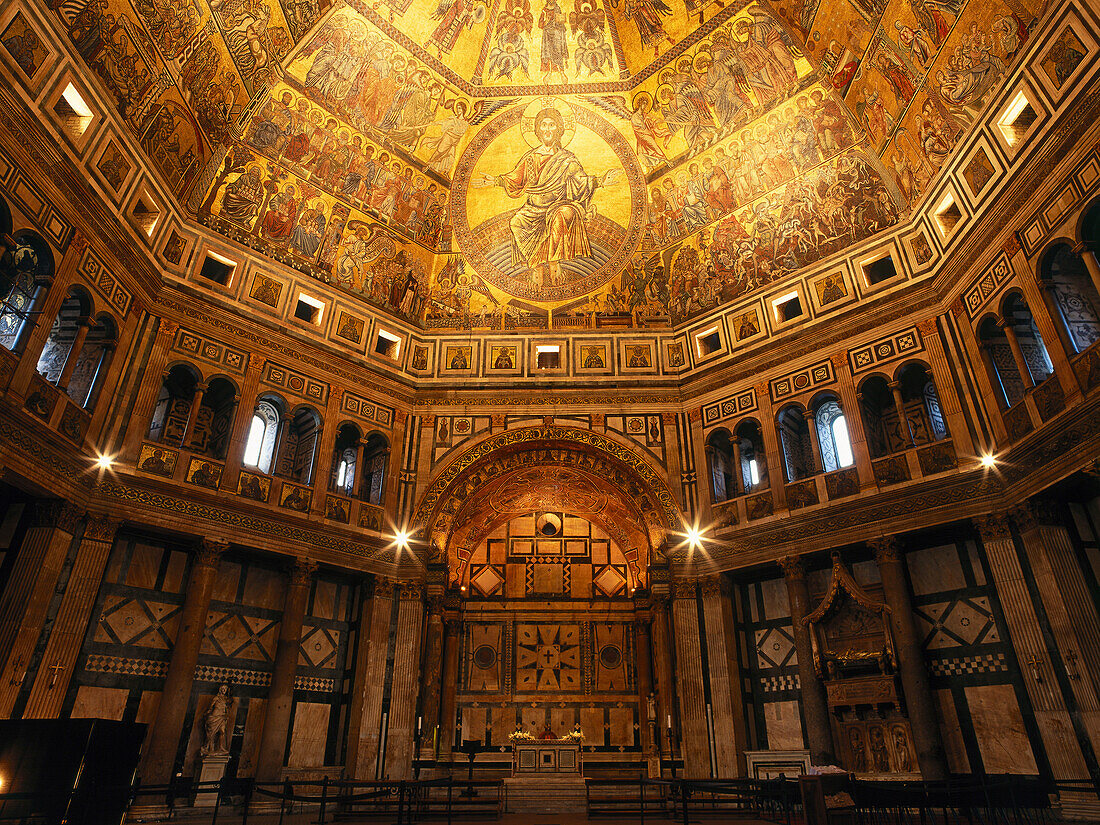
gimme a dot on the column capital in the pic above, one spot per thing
(886, 548)
(684, 589)
(435, 604)
(303, 571)
(453, 627)
(994, 527)
(713, 585)
(410, 591)
(57, 512)
(383, 587)
(658, 601)
(1035, 513)
(793, 569)
(641, 625)
(927, 327)
(209, 551)
(100, 528)
(169, 328)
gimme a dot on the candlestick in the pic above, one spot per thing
(418, 725)
(669, 721)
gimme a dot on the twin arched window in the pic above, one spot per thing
(25, 273)
(901, 414)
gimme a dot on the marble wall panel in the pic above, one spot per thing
(226, 582)
(308, 735)
(774, 593)
(784, 725)
(935, 569)
(264, 587)
(621, 726)
(953, 745)
(250, 742)
(99, 703)
(592, 721)
(999, 729)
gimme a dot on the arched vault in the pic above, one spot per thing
(547, 468)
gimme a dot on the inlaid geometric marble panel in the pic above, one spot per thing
(548, 657)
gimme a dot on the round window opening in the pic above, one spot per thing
(485, 657)
(548, 524)
(610, 656)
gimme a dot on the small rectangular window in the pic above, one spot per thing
(387, 345)
(308, 309)
(548, 356)
(217, 269)
(948, 215)
(787, 308)
(1017, 119)
(708, 342)
(76, 116)
(878, 271)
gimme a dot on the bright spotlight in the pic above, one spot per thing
(401, 539)
(104, 462)
(989, 461)
(694, 538)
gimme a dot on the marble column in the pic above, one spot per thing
(84, 325)
(815, 706)
(915, 683)
(430, 681)
(727, 704)
(401, 724)
(73, 616)
(662, 666)
(1052, 717)
(365, 713)
(163, 740)
(1092, 262)
(29, 590)
(450, 688)
(647, 727)
(192, 415)
(280, 696)
(946, 392)
(1071, 611)
(149, 390)
(1017, 353)
(903, 418)
(694, 733)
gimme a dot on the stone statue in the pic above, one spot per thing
(651, 706)
(214, 723)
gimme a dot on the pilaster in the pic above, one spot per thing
(694, 734)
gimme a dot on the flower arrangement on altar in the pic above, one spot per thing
(575, 736)
(520, 735)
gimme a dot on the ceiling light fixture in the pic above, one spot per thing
(104, 462)
(989, 461)
(401, 539)
(694, 537)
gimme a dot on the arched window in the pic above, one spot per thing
(720, 455)
(173, 410)
(343, 459)
(832, 435)
(1072, 294)
(263, 432)
(298, 450)
(1000, 363)
(794, 441)
(214, 420)
(376, 456)
(922, 404)
(1036, 359)
(754, 464)
(72, 316)
(25, 273)
(93, 362)
(880, 419)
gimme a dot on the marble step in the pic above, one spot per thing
(544, 795)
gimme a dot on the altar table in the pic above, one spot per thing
(546, 758)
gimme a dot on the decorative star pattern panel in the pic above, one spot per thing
(548, 658)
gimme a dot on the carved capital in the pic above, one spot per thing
(399, 418)
(302, 572)
(427, 422)
(792, 567)
(436, 604)
(410, 591)
(209, 551)
(711, 586)
(993, 528)
(886, 549)
(56, 513)
(695, 414)
(684, 589)
(840, 362)
(454, 627)
(658, 601)
(1038, 512)
(383, 588)
(927, 327)
(669, 418)
(255, 364)
(169, 328)
(100, 528)
(641, 626)
(1012, 245)
(499, 421)
(958, 308)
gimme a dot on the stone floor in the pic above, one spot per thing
(310, 818)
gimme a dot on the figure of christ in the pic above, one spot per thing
(550, 226)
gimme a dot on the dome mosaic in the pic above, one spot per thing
(460, 163)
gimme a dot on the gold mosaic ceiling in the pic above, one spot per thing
(466, 163)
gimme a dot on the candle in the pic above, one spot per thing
(669, 721)
(418, 725)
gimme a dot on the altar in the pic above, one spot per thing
(546, 757)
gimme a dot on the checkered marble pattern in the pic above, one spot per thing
(777, 684)
(203, 673)
(968, 665)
